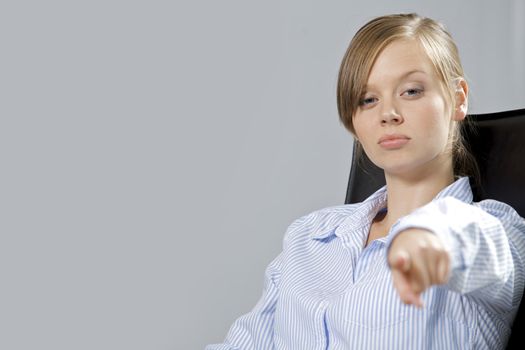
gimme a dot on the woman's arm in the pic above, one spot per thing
(484, 245)
(255, 329)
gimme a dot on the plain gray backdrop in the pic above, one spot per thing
(154, 152)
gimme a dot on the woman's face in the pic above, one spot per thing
(402, 120)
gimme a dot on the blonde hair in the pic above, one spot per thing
(369, 42)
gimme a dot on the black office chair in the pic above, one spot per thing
(498, 144)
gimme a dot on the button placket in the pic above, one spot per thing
(320, 323)
(365, 258)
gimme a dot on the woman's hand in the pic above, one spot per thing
(418, 260)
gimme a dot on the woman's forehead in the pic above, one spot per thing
(399, 60)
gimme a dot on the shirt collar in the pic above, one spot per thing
(359, 219)
(362, 212)
(459, 189)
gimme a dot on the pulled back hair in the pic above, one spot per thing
(437, 43)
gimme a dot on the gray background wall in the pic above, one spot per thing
(154, 152)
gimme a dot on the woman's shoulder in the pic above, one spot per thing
(498, 209)
(509, 218)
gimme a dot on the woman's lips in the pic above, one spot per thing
(393, 141)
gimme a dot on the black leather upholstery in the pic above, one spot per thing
(498, 144)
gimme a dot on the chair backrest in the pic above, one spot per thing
(498, 144)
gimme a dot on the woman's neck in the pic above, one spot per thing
(405, 194)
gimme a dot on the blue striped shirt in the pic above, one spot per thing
(327, 290)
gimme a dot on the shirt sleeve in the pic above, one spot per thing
(486, 243)
(255, 329)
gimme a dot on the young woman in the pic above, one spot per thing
(417, 265)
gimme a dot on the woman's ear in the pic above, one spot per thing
(461, 102)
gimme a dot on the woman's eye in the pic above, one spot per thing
(366, 101)
(413, 92)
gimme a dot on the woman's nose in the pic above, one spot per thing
(391, 116)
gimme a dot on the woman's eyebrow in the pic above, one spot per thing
(400, 78)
